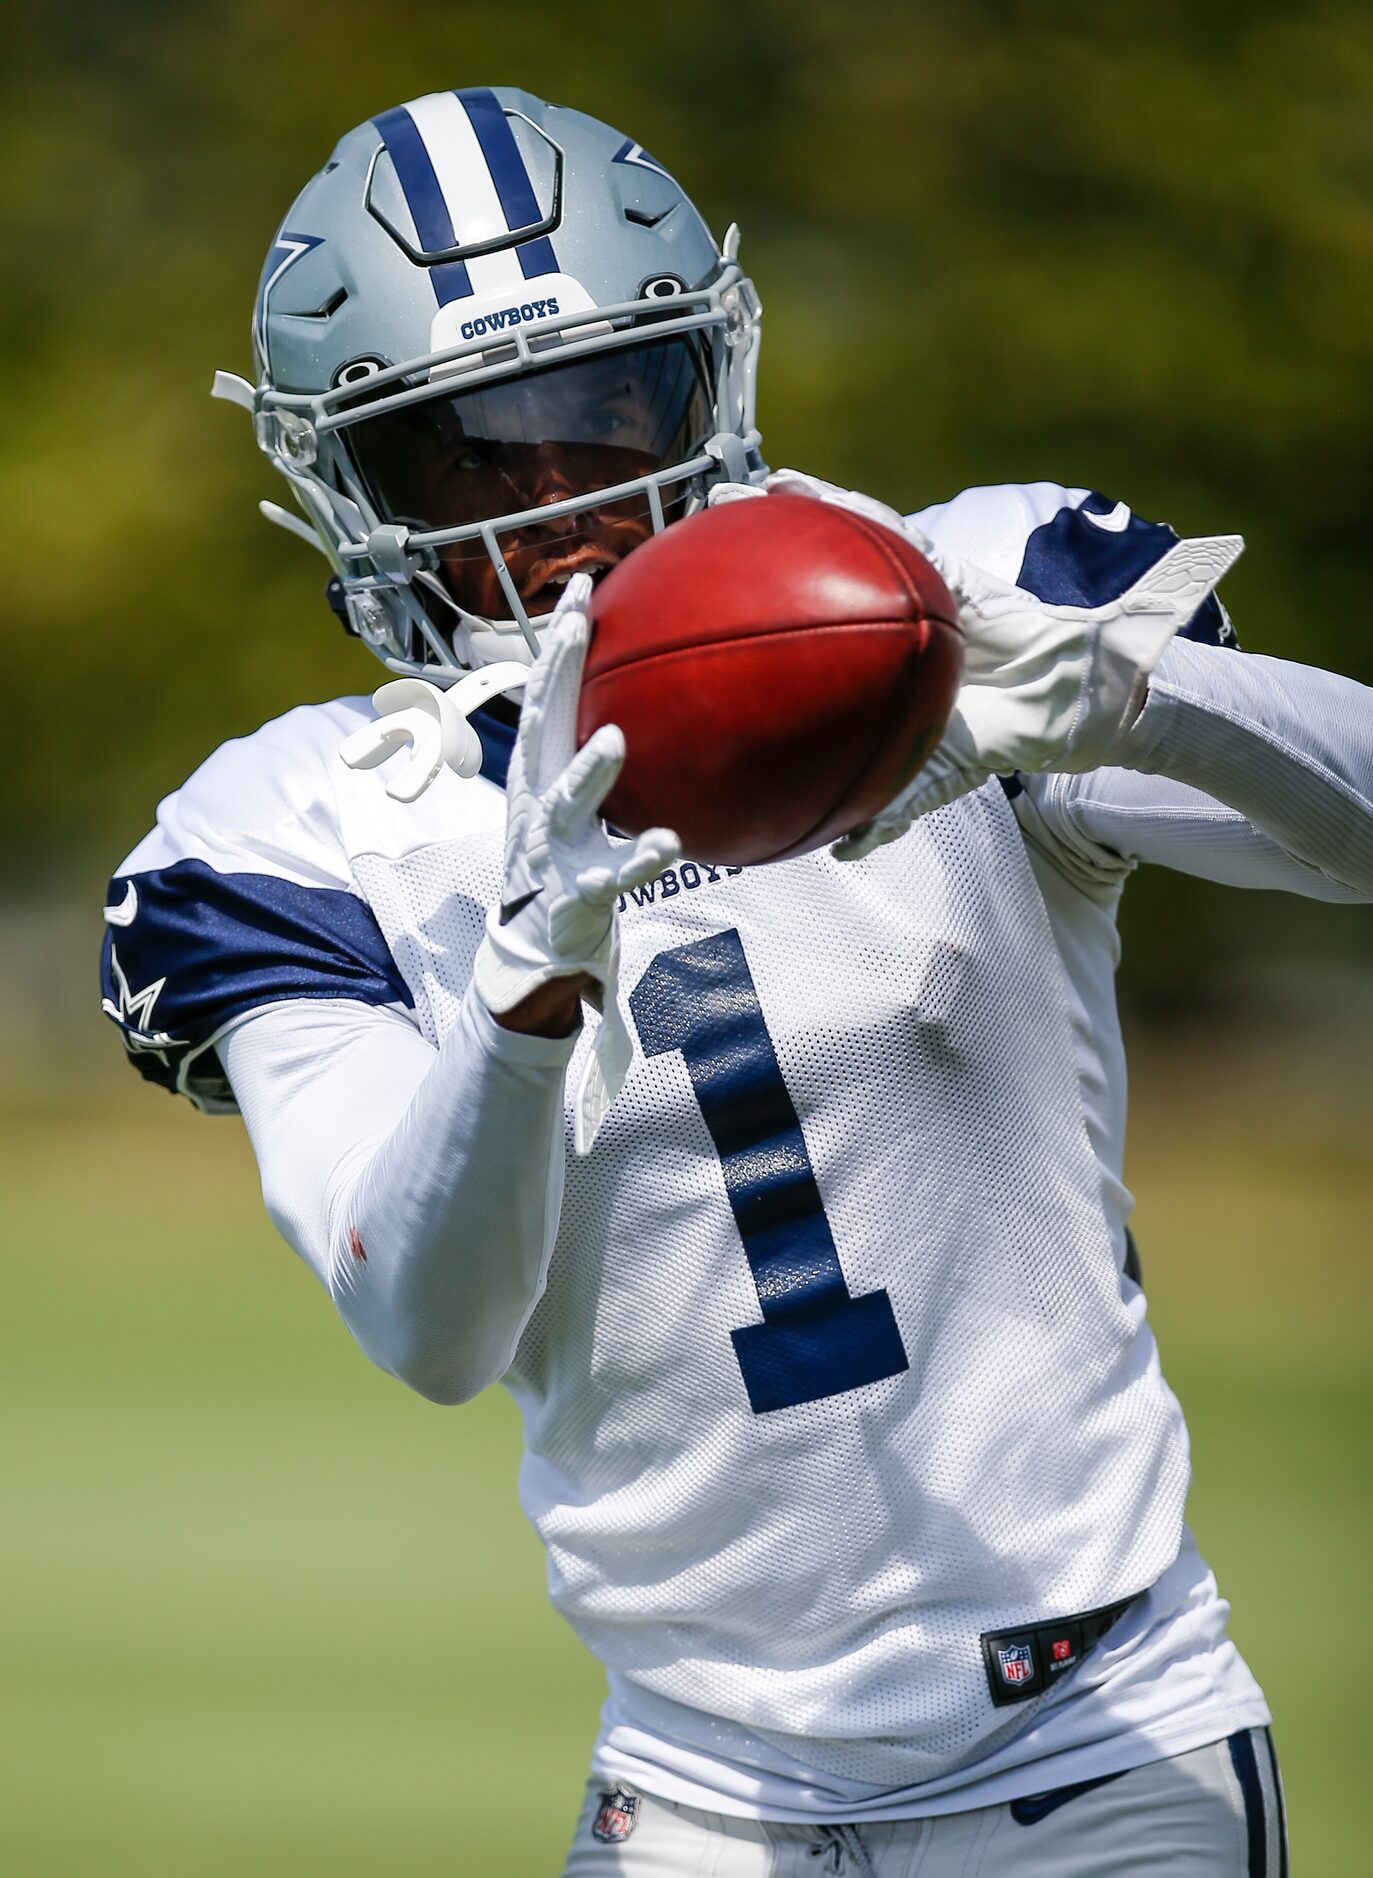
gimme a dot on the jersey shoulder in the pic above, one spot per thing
(267, 799)
(241, 895)
(1070, 546)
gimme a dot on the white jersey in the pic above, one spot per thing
(835, 1388)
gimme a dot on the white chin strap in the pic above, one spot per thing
(480, 641)
(433, 722)
(607, 1065)
(490, 644)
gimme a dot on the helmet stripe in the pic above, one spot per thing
(428, 206)
(465, 181)
(519, 204)
(473, 203)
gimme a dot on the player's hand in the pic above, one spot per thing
(1044, 687)
(563, 873)
(1048, 687)
(789, 482)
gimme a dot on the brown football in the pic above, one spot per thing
(780, 667)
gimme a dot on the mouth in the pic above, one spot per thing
(544, 579)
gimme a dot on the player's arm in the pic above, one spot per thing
(1245, 769)
(232, 950)
(244, 970)
(1285, 746)
(423, 1186)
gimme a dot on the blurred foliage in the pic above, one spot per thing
(1131, 248)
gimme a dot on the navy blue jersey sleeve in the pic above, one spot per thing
(1089, 552)
(189, 949)
(242, 895)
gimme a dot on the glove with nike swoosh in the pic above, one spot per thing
(1045, 687)
(563, 872)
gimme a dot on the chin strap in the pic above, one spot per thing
(606, 1066)
(433, 722)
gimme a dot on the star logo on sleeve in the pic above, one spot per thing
(133, 1012)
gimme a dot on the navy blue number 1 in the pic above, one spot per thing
(815, 1339)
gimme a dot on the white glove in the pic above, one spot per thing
(789, 482)
(1044, 687)
(563, 873)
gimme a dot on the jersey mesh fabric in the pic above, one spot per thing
(435, 924)
(821, 1573)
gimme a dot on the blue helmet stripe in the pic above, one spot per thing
(519, 204)
(433, 226)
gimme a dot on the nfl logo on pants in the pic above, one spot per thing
(615, 1821)
(1017, 1664)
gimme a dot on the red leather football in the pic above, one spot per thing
(780, 667)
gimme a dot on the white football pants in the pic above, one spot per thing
(1217, 1810)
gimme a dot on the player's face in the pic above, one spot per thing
(502, 449)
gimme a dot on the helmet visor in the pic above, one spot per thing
(523, 443)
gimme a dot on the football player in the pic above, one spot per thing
(787, 1201)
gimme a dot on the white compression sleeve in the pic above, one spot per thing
(1244, 769)
(423, 1186)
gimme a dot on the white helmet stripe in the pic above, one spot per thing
(469, 190)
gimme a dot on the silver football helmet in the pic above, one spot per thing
(495, 346)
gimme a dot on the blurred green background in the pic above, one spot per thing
(262, 1610)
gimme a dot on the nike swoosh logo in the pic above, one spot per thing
(1115, 521)
(127, 911)
(509, 908)
(1032, 1807)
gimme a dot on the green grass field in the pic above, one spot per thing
(264, 1612)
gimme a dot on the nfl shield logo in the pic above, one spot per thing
(615, 1821)
(1017, 1664)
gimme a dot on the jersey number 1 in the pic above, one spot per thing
(816, 1339)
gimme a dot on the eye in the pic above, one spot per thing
(610, 418)
(467, 454)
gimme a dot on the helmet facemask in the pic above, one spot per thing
(535, 443)
(457, 492)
